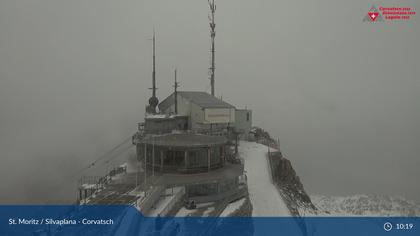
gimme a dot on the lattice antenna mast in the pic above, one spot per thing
(212, 35)
(176, 85)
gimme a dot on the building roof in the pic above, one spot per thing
(202, 99)
(184, 140)
(149, 116)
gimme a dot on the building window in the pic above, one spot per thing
(247, 116)
(193, 158)
(179, 158)
(169, 158)
(215, 155)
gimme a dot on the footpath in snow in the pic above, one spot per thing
(264, 196)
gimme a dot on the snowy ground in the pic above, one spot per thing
(232, 207)
(365, 205)
(264, 196)
(204, 208)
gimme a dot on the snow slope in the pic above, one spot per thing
(264, 196)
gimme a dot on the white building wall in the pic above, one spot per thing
(202, 118)
(183, 107)
(187, 108)
(219, 115)
(243, 121)
(197, 116)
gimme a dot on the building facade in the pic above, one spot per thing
(194, 147)
(243, 122)
(204, 110)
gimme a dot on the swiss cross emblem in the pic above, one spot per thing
(373, 15)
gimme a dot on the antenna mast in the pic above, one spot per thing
(153, 101)
(154, 65)
(176, 85)
(212, 35)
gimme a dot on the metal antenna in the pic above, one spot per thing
(153, 101)
(212, 35)
(154, 66)
(176, 85)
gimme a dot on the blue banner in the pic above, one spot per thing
(127, 220)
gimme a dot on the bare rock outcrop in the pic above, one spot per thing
(290, 186)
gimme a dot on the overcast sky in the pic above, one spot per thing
(342, 95)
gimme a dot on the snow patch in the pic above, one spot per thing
(232, 207)
(365, 205)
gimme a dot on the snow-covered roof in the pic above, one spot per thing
(202, 99)
(162, 116)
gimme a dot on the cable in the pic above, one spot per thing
(118, 153)
(104, 155)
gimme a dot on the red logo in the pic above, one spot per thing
(389, 13)
(373, 15)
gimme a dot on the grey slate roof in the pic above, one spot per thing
(202, 99)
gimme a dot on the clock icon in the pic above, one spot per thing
(387, 226)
